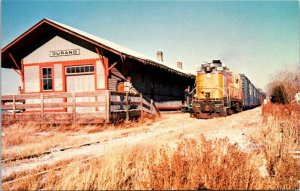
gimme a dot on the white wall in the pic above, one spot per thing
(58, 81)
(100, 74)
(32, 78)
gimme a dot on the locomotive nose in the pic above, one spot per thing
(207, 108)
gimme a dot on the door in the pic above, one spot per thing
(81, 83)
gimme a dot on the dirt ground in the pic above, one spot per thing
(169, 130)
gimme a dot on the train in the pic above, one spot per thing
(219, 91)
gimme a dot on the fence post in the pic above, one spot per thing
(127, 108)
(14, 108)
(42, 107)
(108, 106)
(73, 107)
(141, 105)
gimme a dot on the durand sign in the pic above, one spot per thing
(68, 52)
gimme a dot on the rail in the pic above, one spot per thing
(78, 107)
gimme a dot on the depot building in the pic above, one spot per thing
(54, 57)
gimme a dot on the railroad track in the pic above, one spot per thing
(58, 150)
(296, 154)
(64, 149)
(61, 149)
(4, 183)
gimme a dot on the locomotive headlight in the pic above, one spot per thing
(208, 75)
(208, 69)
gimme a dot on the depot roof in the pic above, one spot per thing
(47, 29)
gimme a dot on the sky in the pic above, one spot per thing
(256, 38)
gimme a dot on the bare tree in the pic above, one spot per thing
(289, 78)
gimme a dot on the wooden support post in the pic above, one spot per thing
(113, 65)
(42, 107)
(96, 100)
(14, 108)
(108, 97)
(73, 107)
(127, 108)
(141, 105)
(151, 105)
(17, 71)
(14, 61)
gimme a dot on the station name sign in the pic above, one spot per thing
(68, 52)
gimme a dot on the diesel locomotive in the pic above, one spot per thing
(220, 92)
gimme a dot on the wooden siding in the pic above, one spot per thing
(42, 54)
(32, 79)
(115, 75)
(58, 81)
(81, 83)
(161, 86)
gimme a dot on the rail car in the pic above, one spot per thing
(220, 92)
(252, 97)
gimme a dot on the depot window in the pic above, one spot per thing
(47, 78)
(87, 69)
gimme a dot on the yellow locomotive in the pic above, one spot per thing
(218, 91)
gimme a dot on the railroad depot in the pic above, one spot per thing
(66, 70)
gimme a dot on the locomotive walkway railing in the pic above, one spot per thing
(80, 107)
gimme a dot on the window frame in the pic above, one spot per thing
(79, 68)
(47, 78)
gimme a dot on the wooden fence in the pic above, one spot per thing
(80, 107)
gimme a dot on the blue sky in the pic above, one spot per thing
(254, 38)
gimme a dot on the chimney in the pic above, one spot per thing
(179, 65)
(160, 56)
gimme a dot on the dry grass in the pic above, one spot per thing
(21, 140)
(193, 164)
(280, 136)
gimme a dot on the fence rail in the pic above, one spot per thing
(95, 106)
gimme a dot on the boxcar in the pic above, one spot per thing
(251, 95)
